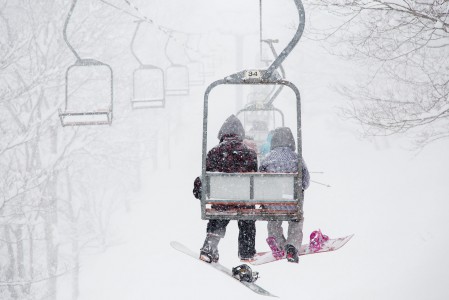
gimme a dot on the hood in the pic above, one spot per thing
(231, 127)
(283, 137)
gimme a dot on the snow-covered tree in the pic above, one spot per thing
(59, 187)
(404, 46)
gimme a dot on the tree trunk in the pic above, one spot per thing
(30, 257)
(10, 272)
(73, 218)
(52, 248)
(20, 256)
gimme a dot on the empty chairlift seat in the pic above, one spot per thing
(177, 76)
(148, 81)
(259, 118)
(148, 87)
(88, 94)
(177, 83)
(196, 72)
(195, 66)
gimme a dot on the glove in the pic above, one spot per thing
(197, 188)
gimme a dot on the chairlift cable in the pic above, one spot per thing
(164, 29)
(120, 9)
(143, 18)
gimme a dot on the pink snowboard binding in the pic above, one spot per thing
(317, 239)
(277, 252)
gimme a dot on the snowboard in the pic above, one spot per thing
(330, 245)
(251, 285)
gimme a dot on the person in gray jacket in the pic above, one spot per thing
(283, 159)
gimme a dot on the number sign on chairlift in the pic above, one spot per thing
(255, 190)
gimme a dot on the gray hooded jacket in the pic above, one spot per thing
(282, 158)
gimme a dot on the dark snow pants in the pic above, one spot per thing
(247, 234)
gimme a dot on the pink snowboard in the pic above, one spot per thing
(317, 245)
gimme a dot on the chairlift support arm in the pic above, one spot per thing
(66, 23)
(166, 48)
(283, 55)
(281, 68)
(133, 40)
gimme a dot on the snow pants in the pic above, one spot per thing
(294, 234)
(247, 234)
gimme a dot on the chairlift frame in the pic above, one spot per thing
(194, 81)
(261, 106)
(105, 114)
(170, 91)
(256, 194)
(138, 103)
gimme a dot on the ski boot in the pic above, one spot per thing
(209, 251)
(245, 258)
(292, 254)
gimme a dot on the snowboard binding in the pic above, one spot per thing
(317, 239)
(244, 273)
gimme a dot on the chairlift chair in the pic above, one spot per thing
(256, 190)
(259, 118)
(177, 77)
(83, 103)
(208, 59)
(86, 109)
(148, 82)
(196, 72)
(209, 65)
(196, 69)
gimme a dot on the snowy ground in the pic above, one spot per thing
(393, 200)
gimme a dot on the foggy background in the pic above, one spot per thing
(88, 212)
